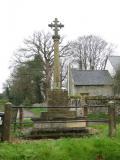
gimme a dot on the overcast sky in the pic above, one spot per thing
(20, 18)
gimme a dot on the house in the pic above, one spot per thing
(92, 82)
(112, 65)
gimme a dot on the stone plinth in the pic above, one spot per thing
(58, 117)
(57, 98)
(57, 106)
(59, 124)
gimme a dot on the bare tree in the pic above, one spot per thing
(41, 44)
(90, 52)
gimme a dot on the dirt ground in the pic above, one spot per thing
(27, 114)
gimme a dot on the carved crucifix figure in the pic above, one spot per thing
(57, 78)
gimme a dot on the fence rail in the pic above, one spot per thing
(59, 106)
(8, 116)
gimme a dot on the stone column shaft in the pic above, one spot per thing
(57, 77)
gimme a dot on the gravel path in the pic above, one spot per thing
(27, 114)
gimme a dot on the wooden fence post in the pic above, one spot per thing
(21, 117)
(7, 122)
(86, 112)
(112, 119)
(84, 105)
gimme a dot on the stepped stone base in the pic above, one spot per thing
(58, 133)
(57, 117)
(57, 124)
(55, 114)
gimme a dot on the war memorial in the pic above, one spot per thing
(59, 119)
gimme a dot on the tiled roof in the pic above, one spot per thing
(91, 77)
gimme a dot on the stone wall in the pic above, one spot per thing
(93, 90)
(77, 103)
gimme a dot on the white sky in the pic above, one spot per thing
(20, 18)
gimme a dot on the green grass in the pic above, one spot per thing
(37, 111)
(100, 116)
(93, 116)
(65, 149)
(26, 123)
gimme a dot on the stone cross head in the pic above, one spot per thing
(56, 26)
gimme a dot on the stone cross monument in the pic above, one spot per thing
(57, 78)
(58, 119)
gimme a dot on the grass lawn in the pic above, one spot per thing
(86, 148)
(37, 111)
(101, 116)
